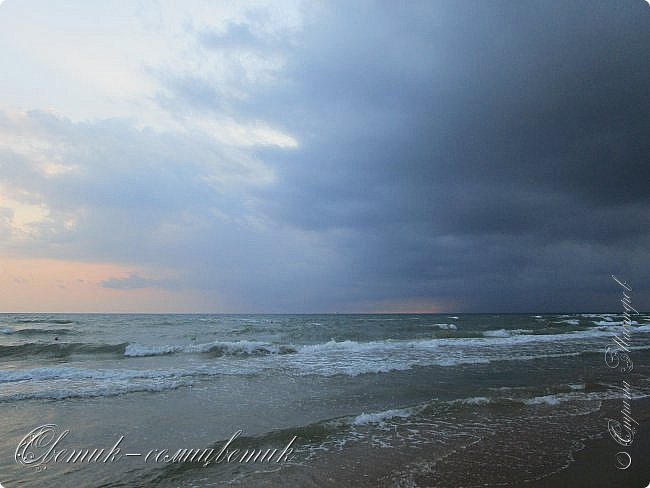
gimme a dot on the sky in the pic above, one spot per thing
(309, 157)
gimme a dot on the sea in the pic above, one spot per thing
(407, 400)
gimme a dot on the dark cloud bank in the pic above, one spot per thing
(490, 153)
(481, 156)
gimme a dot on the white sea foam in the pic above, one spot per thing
(348, 345)
(460, 360)
(446, 326)
(504, 337)
(610, 322)
(137, 350)
(354, 358)
(497, 333)
(576, 394)
(504, 333)
(57, 383)
(547, 399)
(380, 417)
(569, 321)
(353, 367)
(350, 358)
(230, 348)
(479, 400)
(71, 373)
(559, 398)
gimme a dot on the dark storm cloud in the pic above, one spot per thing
(474, 156)
(492, 151)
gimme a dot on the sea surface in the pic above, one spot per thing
(342, 400)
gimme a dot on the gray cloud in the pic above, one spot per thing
(492, 151)
(131, 282)
(488, 155)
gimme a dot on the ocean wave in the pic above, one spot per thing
(460, 360)
(380, 417)
(331, 358)
(348, 345)
(555, 399)
(568, 321)
(446, 336)
(559, 398)
(72, 373)
(552, 395)
(217, 348)
(445, 326)
(352, 358)
(497, 333)
(60, 382)
(477, 400)
(109, 390)
(29, 332)
(59, 349)
(45, 321)
(136, 350)
(613, 323)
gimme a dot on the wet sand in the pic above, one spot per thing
(491, 462)
(595, 465)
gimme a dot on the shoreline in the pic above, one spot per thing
(481, 464)
(594, 466)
